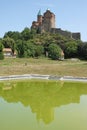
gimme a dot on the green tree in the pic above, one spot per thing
(39, 50)
(28, 34)
(33, 33)
(54, 51)
(84, 51)
(80, 49)
(29, 49)
(71, 49)
(20, 48)
(1, 52)
(9, 43)
(25, 34)
(13, 34)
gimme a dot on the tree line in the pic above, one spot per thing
(29, 43)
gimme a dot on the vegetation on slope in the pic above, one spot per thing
(29, 43)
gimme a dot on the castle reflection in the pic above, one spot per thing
(42, 96)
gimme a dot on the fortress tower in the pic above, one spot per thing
(48, 21)
(44, 22)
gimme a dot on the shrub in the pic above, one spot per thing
(54, 51)
(71, 49)
(1, 56)
(39, 50)
(1, 52)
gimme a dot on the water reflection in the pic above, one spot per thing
(42, 97)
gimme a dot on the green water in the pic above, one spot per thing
(43, 105)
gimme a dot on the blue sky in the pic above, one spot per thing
(71, 15)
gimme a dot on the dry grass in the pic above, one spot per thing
(13, 66)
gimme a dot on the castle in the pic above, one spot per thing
(46, 23)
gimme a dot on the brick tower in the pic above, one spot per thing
(48, 21)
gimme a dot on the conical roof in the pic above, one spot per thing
(39, 12)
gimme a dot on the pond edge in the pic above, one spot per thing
(47, 77)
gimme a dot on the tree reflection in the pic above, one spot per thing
(42, 96)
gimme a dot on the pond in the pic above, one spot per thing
(43, 105)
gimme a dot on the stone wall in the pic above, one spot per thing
(76, 36)
(61, 32)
